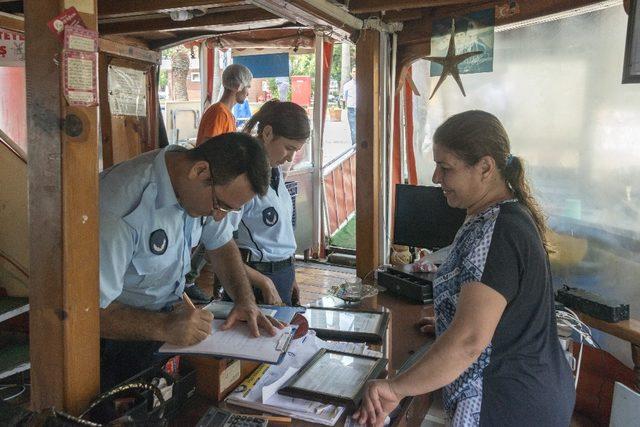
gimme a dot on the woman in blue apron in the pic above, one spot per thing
(265, 233)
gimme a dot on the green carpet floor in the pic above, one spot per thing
(346, 236)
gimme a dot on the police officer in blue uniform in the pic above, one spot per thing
(153, 210)
(265, 230)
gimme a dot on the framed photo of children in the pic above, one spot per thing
(631, 67)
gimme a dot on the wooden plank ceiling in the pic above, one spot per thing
(163, 23)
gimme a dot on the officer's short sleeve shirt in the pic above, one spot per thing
(266, 228)
(146, 237)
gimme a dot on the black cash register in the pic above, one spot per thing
(423, 219)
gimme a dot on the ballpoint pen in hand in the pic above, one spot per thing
(188, 301)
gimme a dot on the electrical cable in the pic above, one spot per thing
(575, 384)
(13, 396)
(568, 318)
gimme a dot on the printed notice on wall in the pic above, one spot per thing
(85, 6)
(78, 38)
(127, 91)
(11, 49)
(80, 78)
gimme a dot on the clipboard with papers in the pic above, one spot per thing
(238, 343)
(221, 310)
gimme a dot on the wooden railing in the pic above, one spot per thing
(13, 252)
(340, 190)
(13, 147)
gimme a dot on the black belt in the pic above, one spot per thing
(271, 267)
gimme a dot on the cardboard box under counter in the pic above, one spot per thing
(216, 378)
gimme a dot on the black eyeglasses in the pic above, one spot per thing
(216, 204)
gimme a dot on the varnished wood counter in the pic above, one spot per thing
(403, 339)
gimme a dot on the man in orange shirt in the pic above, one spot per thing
(217, 119)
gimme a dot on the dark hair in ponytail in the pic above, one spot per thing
(287, 119)
(474, 134)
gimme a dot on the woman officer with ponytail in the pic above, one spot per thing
(497, 355)
(266, 229)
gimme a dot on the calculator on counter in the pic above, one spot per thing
(216, 417)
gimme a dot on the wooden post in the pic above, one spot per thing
(635, 357)
(368, 140)
(63, 218)
(317, 154)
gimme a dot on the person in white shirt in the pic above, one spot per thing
(349, 96)
(283, 88)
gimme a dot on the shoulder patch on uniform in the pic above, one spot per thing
(158, 242)
(270, 216)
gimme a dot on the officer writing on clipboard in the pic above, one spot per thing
(153, 210)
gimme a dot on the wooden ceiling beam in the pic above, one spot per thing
(402, 15)
(541, 8)
(367, 6)
(120, 8)
(11, 22)
(312, 15)
(418, 31)
(186, 36)
(182, 37)
(415, 38)
(167, 24)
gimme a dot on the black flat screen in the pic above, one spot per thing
(423, 218)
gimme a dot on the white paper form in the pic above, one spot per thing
(221, 309)
(269, 390)
(237, 342)
(348, 374)
(351, 347)
(352, 321)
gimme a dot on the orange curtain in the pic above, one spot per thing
(327, 56)
(210, 73)
(396, 177)
(408, 111)
(408, 135)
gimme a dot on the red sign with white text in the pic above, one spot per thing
(11, 49)
(68, 18)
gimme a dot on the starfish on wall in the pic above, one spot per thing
(450, 61)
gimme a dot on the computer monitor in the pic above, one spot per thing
(423, 218)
